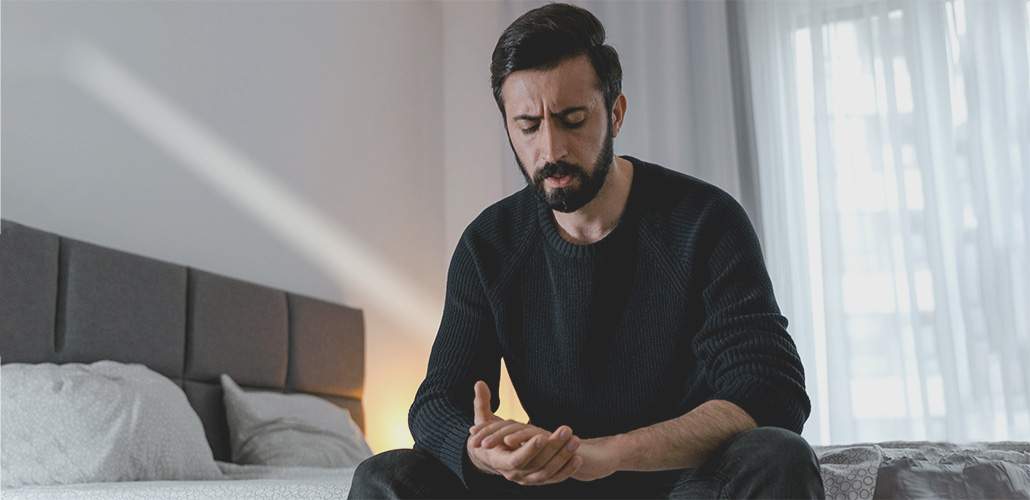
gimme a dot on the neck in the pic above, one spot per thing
(596, 219)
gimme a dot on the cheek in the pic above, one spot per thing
(524, 150)
(583, 147)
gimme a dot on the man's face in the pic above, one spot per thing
(560, 131)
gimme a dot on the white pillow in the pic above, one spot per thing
(270, 428)
(105, 421)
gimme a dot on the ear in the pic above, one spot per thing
(618, 114)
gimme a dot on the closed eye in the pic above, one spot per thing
(569, 125)
(579, 112)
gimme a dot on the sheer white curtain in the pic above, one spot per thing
(892, 147)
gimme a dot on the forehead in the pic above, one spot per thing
(572, 82)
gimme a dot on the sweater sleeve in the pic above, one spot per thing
(465, 350)
(743, 345)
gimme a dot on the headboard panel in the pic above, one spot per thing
(65, 301)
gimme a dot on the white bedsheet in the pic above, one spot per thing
(241, 481)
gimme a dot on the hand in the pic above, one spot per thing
(495, 427)
(600, 459)
(536, 457)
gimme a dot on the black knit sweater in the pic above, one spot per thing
(673, 308)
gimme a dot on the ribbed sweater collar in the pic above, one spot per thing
(549, 228)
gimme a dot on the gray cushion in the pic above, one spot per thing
(120, 307)
(28, 293)
(237, 328)
(331, 367)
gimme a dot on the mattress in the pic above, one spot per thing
(896, 470)
(241, 481)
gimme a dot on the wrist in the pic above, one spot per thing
(619, 446)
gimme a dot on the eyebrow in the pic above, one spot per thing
(560, 114)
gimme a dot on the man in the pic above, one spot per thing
(630, 303)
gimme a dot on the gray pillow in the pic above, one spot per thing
(271, 428)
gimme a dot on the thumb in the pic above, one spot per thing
(481, 405)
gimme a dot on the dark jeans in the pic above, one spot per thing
(767, 462)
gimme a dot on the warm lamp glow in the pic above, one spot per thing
(511, 407)
(400, 436)
(387, 424)
(387, 418)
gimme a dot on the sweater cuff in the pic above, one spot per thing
(455, 455)
(765, 404)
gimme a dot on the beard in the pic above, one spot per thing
(583, 186)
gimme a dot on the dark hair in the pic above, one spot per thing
(544, 37)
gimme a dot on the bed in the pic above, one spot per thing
(57, 293)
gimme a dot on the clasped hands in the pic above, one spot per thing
(531, 456)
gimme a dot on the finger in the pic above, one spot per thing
(526, 452)
(487, 429)
(571, 468)
(558, 461)
(507, 460)
(562, 452)
(477, 438)
(489, 420)
(497, 437)
(481, 405)
(549, 475)
(558, 440)
(515, 439)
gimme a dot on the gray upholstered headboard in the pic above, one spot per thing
(68, 301)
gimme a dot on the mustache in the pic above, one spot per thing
(559, 169)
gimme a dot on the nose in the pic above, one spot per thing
(551, 143)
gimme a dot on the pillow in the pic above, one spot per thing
(270, 428)
(105, 421)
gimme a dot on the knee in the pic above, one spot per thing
(404, 473)
(389, 465)
(380, 463)
(772, 462)
(778, 447)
